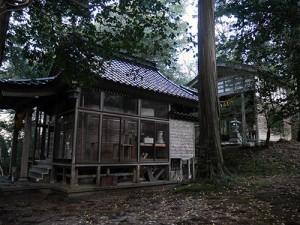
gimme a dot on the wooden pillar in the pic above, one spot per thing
(189, 169)
(138, 173)
(98, 179)
(43, 140)
(14, 150)
(256, 121)
(74, 177)
(1, 170)
(36, 134)
(244, 124)
(26, 143)
(193, 169)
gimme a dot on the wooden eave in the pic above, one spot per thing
(14, 95)
(110, 86)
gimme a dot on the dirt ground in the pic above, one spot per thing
(260, 199)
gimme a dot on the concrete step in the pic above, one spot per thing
(42, 168)
(41, 171)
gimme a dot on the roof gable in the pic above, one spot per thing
(144, 77)
(125, 72)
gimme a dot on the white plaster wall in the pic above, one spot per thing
(182, 139)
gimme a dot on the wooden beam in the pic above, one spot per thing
(33, 94)
(244, 123)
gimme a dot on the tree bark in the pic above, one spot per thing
(6, 7)
(210, 143)
(295, 53)
(298, 136)
(4, 20)
(268, 136)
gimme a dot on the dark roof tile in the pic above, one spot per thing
(144, 77)
(127, 73)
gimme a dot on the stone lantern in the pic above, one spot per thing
(235, 136)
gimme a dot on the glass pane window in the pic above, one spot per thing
(119, 139)
(90, 99)
(161, 141)
(120, 104)
(154, 142)
(110, 139)
(64, 137)
(154, 109)
(128, 147)
(88, 137)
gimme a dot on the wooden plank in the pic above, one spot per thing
(150, 174)
(159, 173)
(146, 145)
(160, 145)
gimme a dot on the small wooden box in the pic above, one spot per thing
(109, 181)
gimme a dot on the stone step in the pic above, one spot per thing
(40, 172)
(43, 168)
(35, 174)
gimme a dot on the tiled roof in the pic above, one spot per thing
(137, 75)
(28, 82)
(144, 77)
(185, 116)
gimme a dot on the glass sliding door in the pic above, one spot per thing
(119, 137)
(88, 137)
(64, 137)
(154, 142)
(110, 139)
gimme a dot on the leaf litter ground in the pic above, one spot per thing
(262, 198)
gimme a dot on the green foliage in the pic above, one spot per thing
(260, 161)
(195, 187)
(4, 155)
(205, 186)
(266, 34)
(75, 37)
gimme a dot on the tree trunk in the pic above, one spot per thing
(268, 137)
(210, 143)
(4, 20)
(295, 52)
(6, 7)
(298, 137)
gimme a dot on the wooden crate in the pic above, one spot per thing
(109, 181)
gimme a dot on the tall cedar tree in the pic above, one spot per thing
(210, 144)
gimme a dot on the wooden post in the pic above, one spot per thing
(244, 124)
(14, 150)
(256, 121)
(26, 144)
(74, 177)
(98, 179)
(43, 141)
(36, 133)
(1, 170)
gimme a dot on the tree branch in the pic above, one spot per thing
(15, 5)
